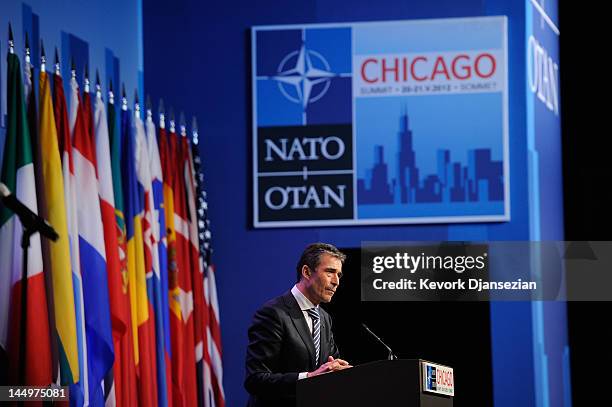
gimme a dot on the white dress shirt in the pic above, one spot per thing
(304, 304)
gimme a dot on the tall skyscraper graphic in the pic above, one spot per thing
(407, 173)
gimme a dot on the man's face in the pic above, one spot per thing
(324, 281)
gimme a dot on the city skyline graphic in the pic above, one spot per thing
(479, 181)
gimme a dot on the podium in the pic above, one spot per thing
(388, 383)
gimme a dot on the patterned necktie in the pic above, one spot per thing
(316, 331)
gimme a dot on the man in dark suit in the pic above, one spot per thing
(291, 338)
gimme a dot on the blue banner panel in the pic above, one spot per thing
(425, 104)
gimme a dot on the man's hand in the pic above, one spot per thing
(332, 365)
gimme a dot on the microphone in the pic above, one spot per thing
(29, 219)
(391, 354)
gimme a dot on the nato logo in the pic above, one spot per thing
(303, 77)
(431, 378)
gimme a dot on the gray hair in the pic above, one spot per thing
(311, 256)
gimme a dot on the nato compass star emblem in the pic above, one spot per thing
(304, 76)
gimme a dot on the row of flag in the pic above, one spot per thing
(122, 307)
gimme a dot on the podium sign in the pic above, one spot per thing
(438, 379)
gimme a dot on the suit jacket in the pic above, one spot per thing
(280, 347)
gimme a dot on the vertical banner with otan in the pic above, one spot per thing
(550, 346)
(380, 123)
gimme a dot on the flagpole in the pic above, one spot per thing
(11, 41)
(111, 95)
(25, 245)
(43, 58)
(26, 58)
(57, 64)
(162, 114)
(98, 85)
(172, 122)
(194, 131)
(183, 125)
(123, 98)
(136, 105)
(86, 79)
(149, 108)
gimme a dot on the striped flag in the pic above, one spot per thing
(213, 385)
(18, 175)
(59, 251)
(160, 267)
(95, 124)
(79, 392)
(31, 106)
(177, 326)
(142, 325)
(119, 305)
(125, 362)
(92, 252)
(65, 150)
(184, 286)
(150, 233)
(200, 312)
(88, 120)
(216, 397)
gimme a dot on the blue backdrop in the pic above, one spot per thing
(197, 56)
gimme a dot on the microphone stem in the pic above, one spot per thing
(391, 355)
